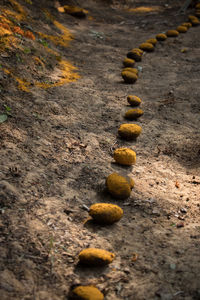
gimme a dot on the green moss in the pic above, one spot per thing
(172, 33)
(147, 47)
(182, 29)
(119, 186)
(134, 100)
(105, 213)
(129, 77)
(134, 114)
(128, 62)
(88, 292)
(129, 131)
(125, 156)
(161, 37)
(94, 257)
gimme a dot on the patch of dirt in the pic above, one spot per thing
(57, 144)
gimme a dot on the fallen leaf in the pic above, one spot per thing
(177, 185)
(134, 257)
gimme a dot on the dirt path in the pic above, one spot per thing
(56, 152)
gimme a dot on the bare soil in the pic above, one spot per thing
(56, 152)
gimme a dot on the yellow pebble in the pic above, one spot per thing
(134, 114)
(182, 29)
(161, 37)
(119, 186)
(191, 17)
(195, 22)
(129, 131)
(94, 257)
(147, 47)
(125, 156)
(135, 54)
(128, 62)
(152, 41)
(87, 292)
(134, 70)
(187, 24)
(129, 77)
(105, 213)
(172, 33)
(134, 100)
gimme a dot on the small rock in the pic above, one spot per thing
(183, 210)
(180, 224)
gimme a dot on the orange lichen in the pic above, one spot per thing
(18, 30)
(95, 257)
(64, 38)
(4, 32)
(22, 84)
(19, 12)
(87, 293)
(105, 213)
(28, 34)
(145, 9)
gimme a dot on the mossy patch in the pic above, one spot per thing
(105, 213)
(119, 186)
(148, 47)
(172, 33)
(134, 100)
(161, 37)
(128, 62)
(124, 156)
(94, 257)
(129, 131)
(182, 29)
(129, 77)
(134, 114)
(88, 292)
(152, 41)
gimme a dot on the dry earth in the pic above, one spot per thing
(56, 151)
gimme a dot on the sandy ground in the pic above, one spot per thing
(56, 152)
